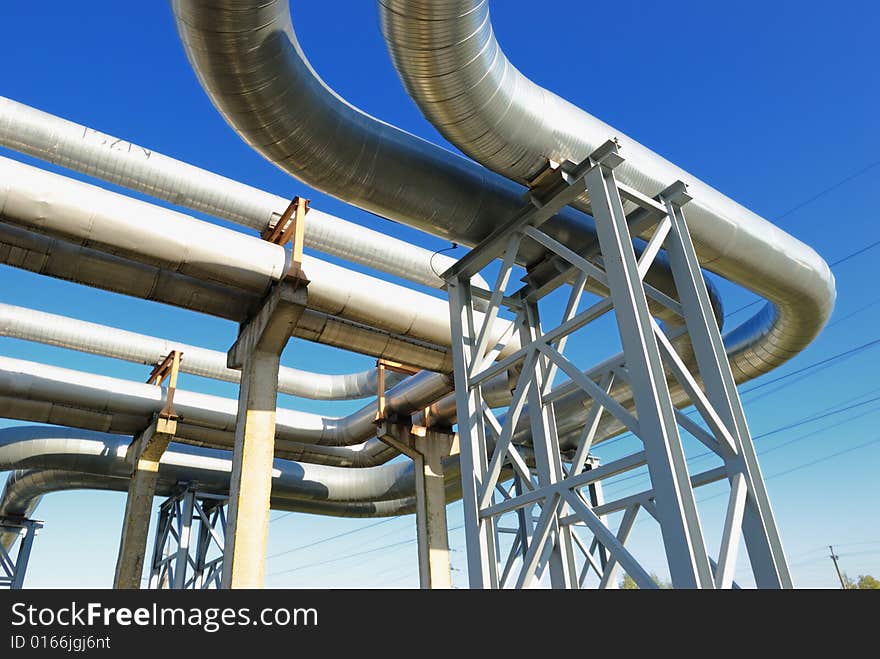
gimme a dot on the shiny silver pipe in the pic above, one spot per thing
(371, 453)
(54, 459)
(452, 66)
(85, 214)
(51, 387)
(25, 489)
(88, 151)
(247, 58)
(56, 330)
(37, 447)
(43, 255)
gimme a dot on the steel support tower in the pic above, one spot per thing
(562, 534)
(14, 568)
(190, 538)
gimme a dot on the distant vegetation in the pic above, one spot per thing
(628, 583)
(864, 582)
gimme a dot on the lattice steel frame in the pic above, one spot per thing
(178, 563)
(553, 487)
(13, 570)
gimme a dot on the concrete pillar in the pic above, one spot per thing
(144, 454)
(427, 449)
(257, 354)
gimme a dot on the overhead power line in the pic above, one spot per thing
(356, 554)
(333, 537)
(810, 200)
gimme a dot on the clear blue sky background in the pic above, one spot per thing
(771, 102)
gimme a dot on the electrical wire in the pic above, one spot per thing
(356, 554)
(334, 537)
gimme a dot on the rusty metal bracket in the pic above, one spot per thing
(290, 227)
(396, 367)
(168, 369)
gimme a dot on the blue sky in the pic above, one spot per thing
(775, 104)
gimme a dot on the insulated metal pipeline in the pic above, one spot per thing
(41, 254)
(85, 214)
(24, 381)
(451, 64)
(52, 329)
(67, 458)
(36, 447)
(247, 58)
(88, 151)
(371, 453)
(25, 488)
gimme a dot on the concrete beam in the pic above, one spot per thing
(257, 353)
(143, 454)
(427, 448)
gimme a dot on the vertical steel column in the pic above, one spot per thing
(676, 508)
(159, 565)
(649, 357)
(548, 464)
(184, 536)
(479, 532)
(762, 539)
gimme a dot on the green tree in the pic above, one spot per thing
(867, 582)
(628, 583)
(864, 582)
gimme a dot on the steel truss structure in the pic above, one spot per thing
(563, 534)
(190, 537)
(13, 570)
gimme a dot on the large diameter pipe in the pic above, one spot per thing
(55, 459)
(248, 60)
(34, 447)
(118, 161)
(50, 385)
(41, 254)
(453, 67)
(53, 329)
(370, 453)
(85, 214)
(25, 489)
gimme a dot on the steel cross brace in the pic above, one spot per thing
(190, 540)
(14, 569)
(488, 449)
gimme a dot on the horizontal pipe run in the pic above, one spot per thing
(60, 259)
(53, 329)
(90, 152)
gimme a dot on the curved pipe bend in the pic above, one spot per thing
(247, 58)
(451, 64)
(56, 459)
(101, 454)
(135, 404)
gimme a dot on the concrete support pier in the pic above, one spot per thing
(427, 448)
(144, 455)
(257, 353)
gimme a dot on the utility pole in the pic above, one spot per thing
(834, 558)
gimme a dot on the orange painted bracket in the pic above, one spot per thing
(290, 227)
(387, 365)
(167, 369)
